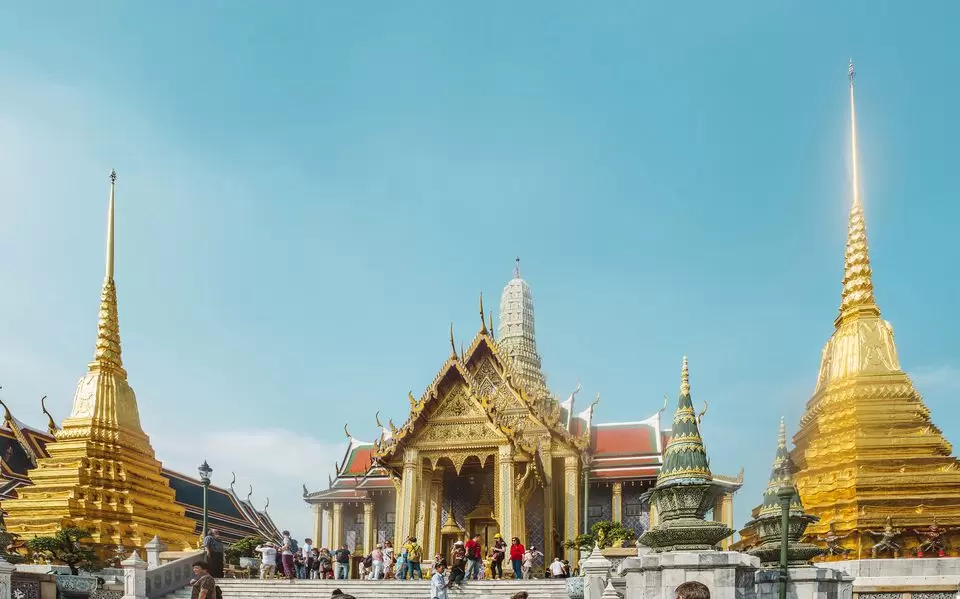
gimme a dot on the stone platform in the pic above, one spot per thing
(805, 583)
(728, 574)
(909, 566)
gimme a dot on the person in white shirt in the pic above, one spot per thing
(307, 551)
(438, 583)
(556, 568)
(268, 560)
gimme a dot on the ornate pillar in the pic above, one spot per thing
(397, 513)
(407, 518)
(432, 541)
(723, 513)
(336, 532)
(549, 492)
(424, 477)
(317, 525)
(617, 508)
(571, 501)
(369, 528)
(504, 502)
(328, 529)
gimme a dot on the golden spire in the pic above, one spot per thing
(684, 378)
(857, 275)
(107, 353)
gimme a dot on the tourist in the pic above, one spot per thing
(377, 562)
(414, 555)
(338, 594)
(325, 564)
(388, 560)
(307, 557)
(403, 563)
(213, 549)
(458, 561)
(566, 567)
(298, 564)
(342, 562)
(497, 554)
(438, 584)
(204, 586)
(268, 559)
(516, 557)
(692, 590)
(556, 569)
(474, 557)
(287, 549)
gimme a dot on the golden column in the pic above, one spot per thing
(336, 532)
(328, 540)
(617, 503)
(407, 516)
(425, 479)
(723, 512)
(505, 501)
(571, 502)
(432, 542)
(398, 514)
(549, 523)
(654, 516)
(369, 528)
(317, 525)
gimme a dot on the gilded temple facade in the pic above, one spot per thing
(486, 450)
(867, 452)
(98, 469)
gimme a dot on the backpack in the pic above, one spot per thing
(218, 592)
(415, 553)
(293, 546)
(368, 561)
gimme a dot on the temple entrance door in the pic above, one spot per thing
(486, 529)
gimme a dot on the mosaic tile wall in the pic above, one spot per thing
(533, 513)
(601, 499)
(353, 527)
(463, 495)
(383, 506)
(631, 497)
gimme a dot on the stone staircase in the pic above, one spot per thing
(381, 589)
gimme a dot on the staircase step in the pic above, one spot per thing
(381, 589)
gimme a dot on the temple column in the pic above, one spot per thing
(549, 523)
(328, 529)
(397, 511)
(571, 502)
(616, 509)
(723, 513)
(505, 500)
(432, 542)
(407, 516)
(369, 528)
(425, 480)
(317, 523)
(336, 534)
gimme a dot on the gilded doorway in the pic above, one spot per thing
(469, 494)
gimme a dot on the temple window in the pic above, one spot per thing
(633, 510)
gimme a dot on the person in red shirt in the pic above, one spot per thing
(474, 558)
(516, 556)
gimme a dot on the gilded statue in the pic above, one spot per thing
(931, 539)
(832, 539)
(887, 540)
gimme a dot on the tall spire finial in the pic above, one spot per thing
(516, 270)
(107, 352)
(684, 378)
(110, 207)
(483, 321)
(857, 274)
(782, 439)
(453, 347)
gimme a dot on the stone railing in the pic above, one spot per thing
(158, 581)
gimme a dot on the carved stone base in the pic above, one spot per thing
(688, 534)
(798, 554)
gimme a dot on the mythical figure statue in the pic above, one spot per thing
(832, 539)
(931, 539)
(887, 540)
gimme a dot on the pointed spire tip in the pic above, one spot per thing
(684, 378)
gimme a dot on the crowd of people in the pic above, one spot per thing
(468, 560)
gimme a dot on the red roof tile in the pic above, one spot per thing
(624, 439)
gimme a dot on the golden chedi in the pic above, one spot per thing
(867, 449)
(101, 473)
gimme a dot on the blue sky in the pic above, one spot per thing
(310, 193)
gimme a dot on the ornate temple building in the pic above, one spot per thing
(98, 470)
(487, 449)
(866, 449)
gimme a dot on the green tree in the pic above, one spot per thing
(67, 547)
(605, 534)
(245, 547)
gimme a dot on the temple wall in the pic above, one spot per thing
(636, 514)
(385, 510)
(353, 527)
(600, 505)
(533, 515)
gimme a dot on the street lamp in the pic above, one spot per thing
(205, 472)
(785, 494)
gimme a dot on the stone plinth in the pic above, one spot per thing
(728, 574)
(904, 567)
(805, 583)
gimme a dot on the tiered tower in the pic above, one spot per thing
(517, 337)
(866, 448)
(102, 473)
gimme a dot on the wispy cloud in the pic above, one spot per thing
(944, 377)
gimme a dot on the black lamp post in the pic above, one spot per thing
(785, 494)
(205, 472)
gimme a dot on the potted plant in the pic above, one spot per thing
(68, 548)
(243, 553)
